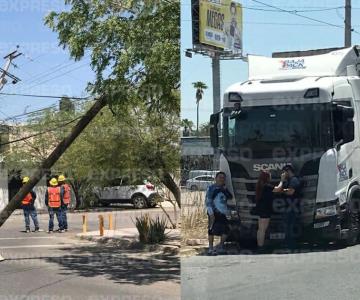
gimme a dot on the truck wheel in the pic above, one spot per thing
(139, 201)
(353, 225)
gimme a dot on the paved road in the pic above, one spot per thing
(313, 275)
(62, 267)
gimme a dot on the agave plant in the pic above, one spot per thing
(142, 224)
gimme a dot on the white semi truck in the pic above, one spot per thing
(300, 108)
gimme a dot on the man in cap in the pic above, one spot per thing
(66, 199)
(291, 186)
(29, 209)
(54, 200)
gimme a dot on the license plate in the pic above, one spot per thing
(277, 236)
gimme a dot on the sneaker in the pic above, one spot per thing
(61, 231)
(50, 231)
(27, 230)
(221, 251)
(36, 230)
(66, 230)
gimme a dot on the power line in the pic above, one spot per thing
(55, 77)
(281, 24)
(296, 14)
(44, 96)
(294, 10)
(40, 133)
(19, 116)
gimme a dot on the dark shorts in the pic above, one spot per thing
(264, 211)
(264, 215)
(220, 226)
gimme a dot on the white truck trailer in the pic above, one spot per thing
(300, 108)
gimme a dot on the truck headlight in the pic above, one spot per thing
(327, 211)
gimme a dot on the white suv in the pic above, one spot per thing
(141, 194)
(200, 183)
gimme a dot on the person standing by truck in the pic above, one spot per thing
(29, 209)
(264, 196)
(66, 199)
(290, 185)
(217, 210)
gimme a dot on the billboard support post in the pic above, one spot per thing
(216, 99)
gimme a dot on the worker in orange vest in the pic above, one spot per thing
(67, 199)
(29, 209)
(54, 200)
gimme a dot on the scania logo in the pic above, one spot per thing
(269, 166)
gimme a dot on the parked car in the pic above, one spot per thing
(141, 194)
(199, 183)
(195, 173)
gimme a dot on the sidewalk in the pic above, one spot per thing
(129, 238)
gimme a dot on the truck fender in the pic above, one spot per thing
(353, 198)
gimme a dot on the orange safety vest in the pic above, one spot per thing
(67, 194)
(27, 200)
(54, 197)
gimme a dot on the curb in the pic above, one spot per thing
(169, 247)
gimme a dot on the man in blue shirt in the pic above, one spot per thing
(291, 185)
(217, 210)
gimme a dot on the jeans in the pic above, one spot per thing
(30, 212)
(58, 213)
(292, 226)
(64, 216)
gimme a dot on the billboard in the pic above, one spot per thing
(220, 24)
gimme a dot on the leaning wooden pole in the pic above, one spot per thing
(14, 203)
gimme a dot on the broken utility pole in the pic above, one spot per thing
(15, 202)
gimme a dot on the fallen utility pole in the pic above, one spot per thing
(15, 202)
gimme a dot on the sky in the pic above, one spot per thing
(43, 65)
(264, 32)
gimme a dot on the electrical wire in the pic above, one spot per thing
(40, 133)
(296, 14)
(44, 96)
(19, 116)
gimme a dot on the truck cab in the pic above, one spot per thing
(302, 109)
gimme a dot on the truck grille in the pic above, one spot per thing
(244, 190)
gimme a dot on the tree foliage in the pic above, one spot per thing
(134, 47)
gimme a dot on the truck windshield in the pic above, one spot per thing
(290, 130)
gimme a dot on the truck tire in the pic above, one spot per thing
(139, 201)
(353, 226)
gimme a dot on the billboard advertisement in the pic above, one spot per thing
(220, 24)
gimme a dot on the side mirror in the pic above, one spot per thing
(349, 131)
(214, 132)
(344, 125)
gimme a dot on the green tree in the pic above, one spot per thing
(187, 125)
(135, 53)
(199, 87)
(204, 129)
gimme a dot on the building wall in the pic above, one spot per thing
(40, 190)
(4, 192)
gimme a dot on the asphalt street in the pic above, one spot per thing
(331, 273)
(59, 266)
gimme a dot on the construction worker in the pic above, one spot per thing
(66, 199)
(29, 209)
(54, 200)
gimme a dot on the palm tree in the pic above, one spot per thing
(200, 87)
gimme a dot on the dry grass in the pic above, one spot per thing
(194, 220)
